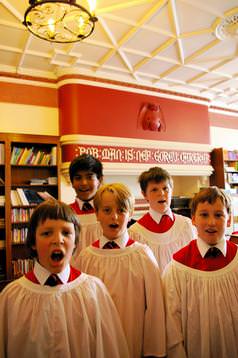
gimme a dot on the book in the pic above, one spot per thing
(15, 199)
(32, 197)
(53, 156)
(2, 156)
(45, 195)
(22, 196)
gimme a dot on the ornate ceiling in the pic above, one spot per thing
(169, 45)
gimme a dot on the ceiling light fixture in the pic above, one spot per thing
(228, 27)
(60, 21)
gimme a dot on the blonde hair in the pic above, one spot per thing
(124, 198)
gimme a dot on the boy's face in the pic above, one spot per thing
(112, 218)
(85, 184)
(55, 242)
(158, 195)
(211, 221)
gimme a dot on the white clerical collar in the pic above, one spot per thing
(121, 240)
(81, 202)
(157, 216)
(203, 247)
(42, 273)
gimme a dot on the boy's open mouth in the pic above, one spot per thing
(57, 255)
(161, 201)
(114, 226)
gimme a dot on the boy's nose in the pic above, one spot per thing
(211, 220)
(58, 239)
(83, 180)
(114, 214)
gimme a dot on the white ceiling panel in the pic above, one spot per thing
(169, 44)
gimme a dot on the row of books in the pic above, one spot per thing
(42, 181)
(32, 156)
(26, 197)
(230, 154)
(2, 200)
(232, 178)
(21, 215)
(19, 235)
(21, 266)
(2, 223)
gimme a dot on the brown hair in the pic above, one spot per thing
(50, 209)
(123, 196)
(210, 194)
(155, 174)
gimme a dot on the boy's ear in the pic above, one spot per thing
(100, 181)
(144, 194)
(193, 220)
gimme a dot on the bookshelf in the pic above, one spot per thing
(225, 164)
(225, 176)
(29, 169)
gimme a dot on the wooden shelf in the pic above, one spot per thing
(19, 176)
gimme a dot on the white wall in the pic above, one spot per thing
(224, 137)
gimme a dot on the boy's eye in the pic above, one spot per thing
(106, 210)
(45, 233)
(91, 176)
(203, 215)
(122, 210)
(67, 233)
(219, 215)
(166, 188)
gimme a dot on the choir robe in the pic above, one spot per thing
(90, 229)
(132, 277)
(72, 320)
(201, 306)
(163, 244)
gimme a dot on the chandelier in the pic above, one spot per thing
(60, 21)
(227, 27)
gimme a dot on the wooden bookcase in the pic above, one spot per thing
(15, 176)
(225, 176)
(225, 164)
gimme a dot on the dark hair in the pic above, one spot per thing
(85, 162)
(210, 194)
(50, 209)
(155, 174)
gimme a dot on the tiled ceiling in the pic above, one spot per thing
(168, 44)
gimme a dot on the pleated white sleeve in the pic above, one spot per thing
(74, 320)
(164, 245)
(201, 311)
(133, 279)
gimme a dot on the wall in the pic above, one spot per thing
(28, 106)
(224, 130)
(29, 109)
(95, 110)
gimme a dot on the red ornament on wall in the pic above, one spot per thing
(151, 117)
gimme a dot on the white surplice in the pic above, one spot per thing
(90, 230)
(133, 279)
(164, 245)
(74, 320)
(201, 308)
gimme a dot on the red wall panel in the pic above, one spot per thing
(222, 120)
(25, 94)
(92, 110)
